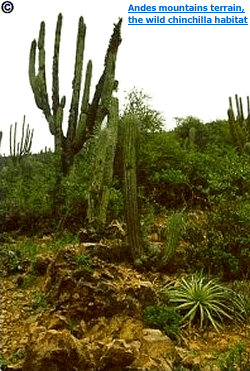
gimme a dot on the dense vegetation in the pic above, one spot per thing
(194, 178)
(205, 179)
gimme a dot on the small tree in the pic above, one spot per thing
(138, 103)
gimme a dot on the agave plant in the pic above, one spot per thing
(206, 300)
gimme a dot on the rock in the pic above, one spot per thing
(131, 329)
(157, 351)
(56, 351)
(117, 354)
(87, 235)
(82, 327)
(58, 322)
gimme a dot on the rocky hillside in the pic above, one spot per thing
(74, 310)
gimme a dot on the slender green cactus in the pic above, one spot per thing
(190, 140)
(1, 137)
(80, 124)
(239, 125)
(103, 166)
(130, 132)
(17, 150)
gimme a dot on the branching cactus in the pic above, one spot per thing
(239, 125)
(83, 116)
(103, 167)
(130, 144)
(17, 150)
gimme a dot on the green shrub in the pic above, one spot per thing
(84, 262)
(221, 245)
(13, 261)
(39, 301)
(204, 300)
(165, 318)
(27, 190)
(3, 363)
(190, 122)
(235, 358)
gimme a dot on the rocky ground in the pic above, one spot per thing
(70, 314)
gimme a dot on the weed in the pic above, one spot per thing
(72, 326)
(84, 263)
(18, 355)
(12, 260)
(39, 300)
(236, 358)
(64, 239)
(165, 318)
(29, 248)
(27, 281)
(3, 363)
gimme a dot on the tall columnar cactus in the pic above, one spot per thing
(84, 117)
(17, 150)
(102, 171)
(130, 144)
(190, 140)
(239, 125)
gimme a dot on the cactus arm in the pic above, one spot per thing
(236, 129)
(76, 83)
(248, 119)
(237, 105)
(81, 125)
(32, 68)
(241, 118)
(21, 144)
(55, 66)
(106, 82)
(131, 124)
(17, 150)
(86, 91)
(30, 141)
(14, 143)
(38, 82)
(11, 140)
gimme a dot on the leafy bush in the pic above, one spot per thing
(27, 189)
(13, 261)
(160, 172)
(183, 130)
(165, 318)
(221, 245)
(204, 300)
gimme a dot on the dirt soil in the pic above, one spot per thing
(101, 307)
